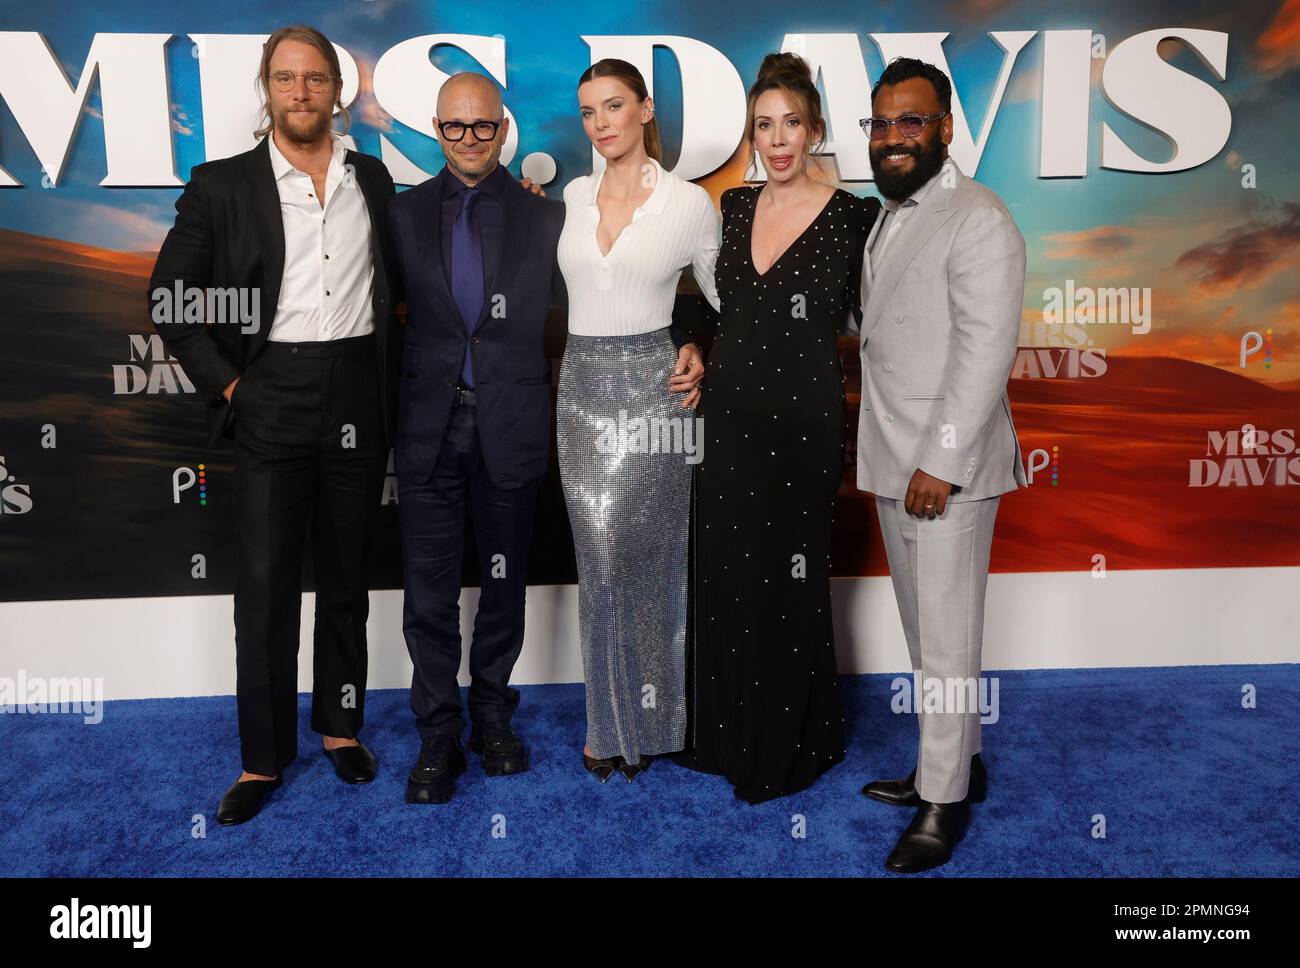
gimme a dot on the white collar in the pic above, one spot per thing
(281, 166)
(658, 196)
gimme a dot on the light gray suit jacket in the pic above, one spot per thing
(940, 322)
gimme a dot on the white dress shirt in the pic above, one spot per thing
(329, 270)
(631, 289)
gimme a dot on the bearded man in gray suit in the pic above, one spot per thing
(942, 288)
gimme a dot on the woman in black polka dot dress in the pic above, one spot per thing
(763, 702)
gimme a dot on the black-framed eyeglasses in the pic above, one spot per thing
(455, 130)
(909, 125)
(316, 80)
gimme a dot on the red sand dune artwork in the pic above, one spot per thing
(1126, 444)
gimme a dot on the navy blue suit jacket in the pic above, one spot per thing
(512, 377)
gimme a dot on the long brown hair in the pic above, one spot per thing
(306, 35)
(790, 74)
(627, 73)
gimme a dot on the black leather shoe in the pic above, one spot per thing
(434, 778)
(353, 764)
(930, 838)
(499, 748)
(243, 800)
(902, 793)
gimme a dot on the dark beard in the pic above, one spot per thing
(897, 187)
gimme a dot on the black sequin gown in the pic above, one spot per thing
(763, 705)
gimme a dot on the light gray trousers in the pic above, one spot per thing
(940, 569)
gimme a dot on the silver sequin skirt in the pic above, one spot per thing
(629, 506)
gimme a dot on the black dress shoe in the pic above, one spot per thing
(353, 764)
(434, 778)
(243, 800)
(499, 748)
(902, 793)
(930, 837)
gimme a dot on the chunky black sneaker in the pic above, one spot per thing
(499, 747)
(434, 778)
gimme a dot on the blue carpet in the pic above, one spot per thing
(1189, 783)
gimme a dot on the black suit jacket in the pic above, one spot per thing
(229, 233)
(512, 376)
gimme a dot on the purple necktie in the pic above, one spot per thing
(467, 272)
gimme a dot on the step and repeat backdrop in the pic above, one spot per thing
(1145, 150)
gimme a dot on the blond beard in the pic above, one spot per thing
(296, 134)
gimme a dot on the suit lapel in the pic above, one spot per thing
(868, 275)
(931, 213)
(513, 245)
(428, 241)
(374, 204)
(270, 234)
(372, 191)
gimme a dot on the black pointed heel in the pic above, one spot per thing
(601, 769)
(631, 772)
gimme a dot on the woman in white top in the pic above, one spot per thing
(625, 423)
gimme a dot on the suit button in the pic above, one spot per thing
(898, 317)
(293, 349)
(889, 367)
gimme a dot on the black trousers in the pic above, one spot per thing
(309, 459)
(433, 518)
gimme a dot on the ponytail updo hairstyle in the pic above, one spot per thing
(621, 70)
(790, 74)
